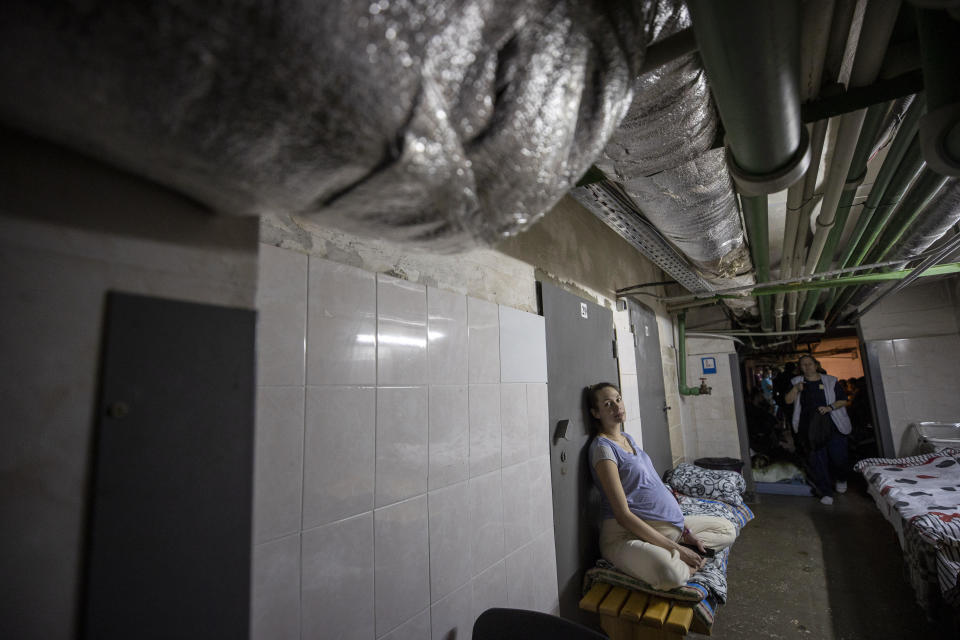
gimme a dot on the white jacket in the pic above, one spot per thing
(840, 417)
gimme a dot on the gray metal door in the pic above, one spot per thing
(171, 492)
(580, 352)
(653, 408)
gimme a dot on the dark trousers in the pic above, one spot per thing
(828, 464)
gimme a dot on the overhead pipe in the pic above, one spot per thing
(940, 128)
(944, 214)
(803, 282)
(790, 228)
(684, 190)
(803, 222)
(919, 271)
(755, 217)
(703, 389)
(756, 85)
(921, 194)
(814, 38)
(907, 172)
(878, 24)
(861, 279)
(913, 205)
(901, 142)
(858, 171)
(846, 23)
(909, 169)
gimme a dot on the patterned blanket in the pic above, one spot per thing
(924, 491)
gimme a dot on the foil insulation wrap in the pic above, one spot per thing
(444, 123)
(694, 206)
(661, 155)
(672, 118)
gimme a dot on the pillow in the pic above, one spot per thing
(691, 480)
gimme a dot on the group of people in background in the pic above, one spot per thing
(801, 414)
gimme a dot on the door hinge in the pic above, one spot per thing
(615, 349)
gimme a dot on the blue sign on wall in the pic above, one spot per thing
(709, 365)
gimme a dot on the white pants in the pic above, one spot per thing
(655, 565)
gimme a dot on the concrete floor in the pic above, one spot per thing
(805, 570)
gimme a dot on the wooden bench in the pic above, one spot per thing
(633, 615)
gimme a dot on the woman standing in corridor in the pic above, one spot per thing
(821, 394)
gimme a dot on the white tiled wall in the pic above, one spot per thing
(916, 335)
(713, 416)
(919, 383)
(627, 362)
(402, 469)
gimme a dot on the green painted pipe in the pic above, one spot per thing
(891, 164)
(921, 193)
(682, 360)
(843, 210)
(755, 217)
(855, 174)
(910, 169)
(866, 278)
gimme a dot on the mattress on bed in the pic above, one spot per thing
(920, 496)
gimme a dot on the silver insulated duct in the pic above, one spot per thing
(445, 123)
(661, 157)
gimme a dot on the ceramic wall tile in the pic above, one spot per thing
(401, 332)
(339, 459)
(545, 577)
(449, 428)
(338, 580)
(342, 326)
(416, 628)
(538, 420)
(282, 316)
(486, 521)
(275, 590)
(452, 617)
(402, 458)
(450, 537)
(523, 346)
(514, 437)
(541, 494)
(630, 392)
(489, 589)
(278, 462)
(522, 573)
(447, 345)
(517, 520)
(402, 562)
(484, 428)
(483, 341)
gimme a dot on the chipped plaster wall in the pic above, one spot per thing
(568, 246)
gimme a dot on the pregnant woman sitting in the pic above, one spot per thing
(643, 532)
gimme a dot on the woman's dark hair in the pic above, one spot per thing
(590, 400)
